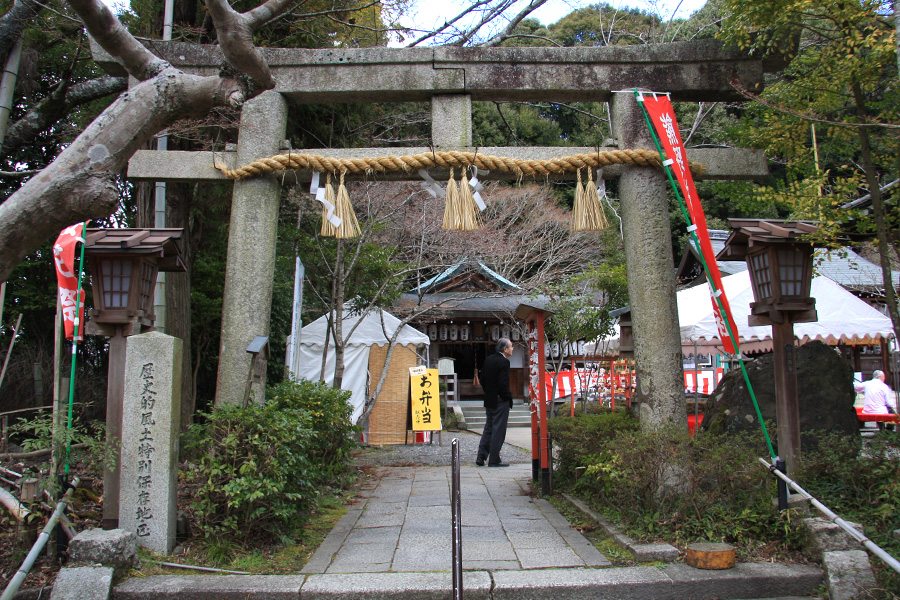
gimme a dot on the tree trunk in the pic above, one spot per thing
(881, 226)
(81, 183)
(897, 27)
(178, 294)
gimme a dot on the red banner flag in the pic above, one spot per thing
(64, 257)
(663, 117)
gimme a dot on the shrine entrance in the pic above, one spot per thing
(451, 78)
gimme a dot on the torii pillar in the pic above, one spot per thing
(651, 275)
(250, 266)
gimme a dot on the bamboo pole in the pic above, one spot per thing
(55, 441)
(22, 573)
(12, 343)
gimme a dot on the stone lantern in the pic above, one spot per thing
(780, 264)
(124, 264)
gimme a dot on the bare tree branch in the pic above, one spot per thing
(106, 29)
(235, 35)
(489, 16)
(264, 13)
(60, 102)
(447, 24)
(497, 39)
(13, 23)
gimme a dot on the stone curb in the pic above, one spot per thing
(394, 586)
(210, 587)
(642, 552)
(672, 582)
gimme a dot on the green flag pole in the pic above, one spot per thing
(695, 241)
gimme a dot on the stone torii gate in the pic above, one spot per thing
(451, 78)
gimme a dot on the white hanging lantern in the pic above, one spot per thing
(464, 333)
(443, 332)
(454, 332)
(546, 350)
(432, 332)
(580, 347)
(515, 334)
(495, 332)
(554, 350)
(505, 332)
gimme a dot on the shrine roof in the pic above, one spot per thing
(448, 276)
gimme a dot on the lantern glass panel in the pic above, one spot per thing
(759, 263)
(116, 275)
(790, 271)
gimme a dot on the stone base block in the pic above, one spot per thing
(83, 583)
(113, 548)
(825, 536)
(848, 574)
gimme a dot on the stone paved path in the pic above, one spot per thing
(403, 524)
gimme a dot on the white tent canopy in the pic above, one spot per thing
(842, 316)
(375, 328)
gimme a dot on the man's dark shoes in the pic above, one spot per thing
(499, 464)
(479, 462)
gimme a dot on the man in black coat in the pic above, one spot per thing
(497, 402)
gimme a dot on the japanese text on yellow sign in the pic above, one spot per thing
(426, 404)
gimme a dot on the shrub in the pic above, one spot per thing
(259, 469)
(579, 441)
(860, 485)
(665, 483)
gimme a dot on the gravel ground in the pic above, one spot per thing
(434, 454)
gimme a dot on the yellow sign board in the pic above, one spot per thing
(426, 403)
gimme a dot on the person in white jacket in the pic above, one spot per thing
(880, 399)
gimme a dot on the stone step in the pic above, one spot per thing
(746, 581)
(519, 416)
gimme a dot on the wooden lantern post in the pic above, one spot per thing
(780, 265)
(124, 264)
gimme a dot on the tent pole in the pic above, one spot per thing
(696, 384)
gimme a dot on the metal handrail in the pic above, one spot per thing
(456, 512)
(854, 533)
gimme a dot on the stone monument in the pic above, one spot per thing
(150, 428)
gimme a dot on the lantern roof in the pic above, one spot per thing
(164, 243)
(750, 232)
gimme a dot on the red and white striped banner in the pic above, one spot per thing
(572, 382)
(663, 117)
(708, 379)
(67, 279)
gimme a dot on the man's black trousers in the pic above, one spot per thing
(494, 433)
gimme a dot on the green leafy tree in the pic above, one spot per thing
(580, 306)
(831, 117)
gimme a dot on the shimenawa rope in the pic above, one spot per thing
(450, 159)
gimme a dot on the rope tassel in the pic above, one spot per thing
(349, 227)
(328, 210)
(460, 211)
(587, 212)
(451, 205)
(469, 213)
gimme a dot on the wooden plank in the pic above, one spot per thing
(134, 238)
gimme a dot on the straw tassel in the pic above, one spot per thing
(328, 230)
(469, 213)
(587, 212)
(578, 206)
(596, 216)
(344, 210)
(451, 205)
